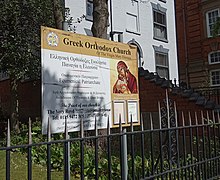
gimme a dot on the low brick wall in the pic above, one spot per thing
(150, 94)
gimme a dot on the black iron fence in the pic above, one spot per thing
(210, 93)
(167, 145)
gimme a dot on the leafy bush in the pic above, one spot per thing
(39, 153)
(39, 156)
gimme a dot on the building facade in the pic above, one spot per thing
(148, 24)
(198, 42)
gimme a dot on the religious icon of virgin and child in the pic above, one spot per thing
(126, 82)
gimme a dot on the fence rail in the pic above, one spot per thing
(177, 145)
(210, 93)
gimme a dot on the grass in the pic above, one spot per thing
(19, 168)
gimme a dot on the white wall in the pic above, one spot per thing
(145, 35)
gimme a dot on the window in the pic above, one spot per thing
(162, 65)
(211, 19)
(215, 77)
(161, 61)
(214, 57)
(132, 17)
(89, 10)
(159, 22)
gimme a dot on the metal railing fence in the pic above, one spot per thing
(181, 147)
(210, 93)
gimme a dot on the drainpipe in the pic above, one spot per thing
(185, 44)
(177, 45)
(111, 22)
(64, 23)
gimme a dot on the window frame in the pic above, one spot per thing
(208, 29)
(209, 57)
(211, 79)
(156, 8)
(162, 51)
(89, 17)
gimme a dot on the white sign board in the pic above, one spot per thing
(79, 80)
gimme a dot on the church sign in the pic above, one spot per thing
(84, 78)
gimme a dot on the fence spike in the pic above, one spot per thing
(190, 120)
(96, 128)
(132, 128)
(183, 119)
(175, 111)
(202, 117)
(168, 109)
(142, 122)
(218, 121)
(213, 116)
(108, 126)
(120, 125)
(208, 119)
(160, 126)
(196, 118)
(66, 130)
(151, 122)
(81, 128)
(29, 131)
(49, 130)
(8, 134)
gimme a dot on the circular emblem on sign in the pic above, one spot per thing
(52, 39)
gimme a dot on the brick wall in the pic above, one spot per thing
(29, 99)
(5, 96)
(193, 43)
(150, 94)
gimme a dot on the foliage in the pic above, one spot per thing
(20, 23)
(39, 156)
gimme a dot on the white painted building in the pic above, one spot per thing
(149, 24)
